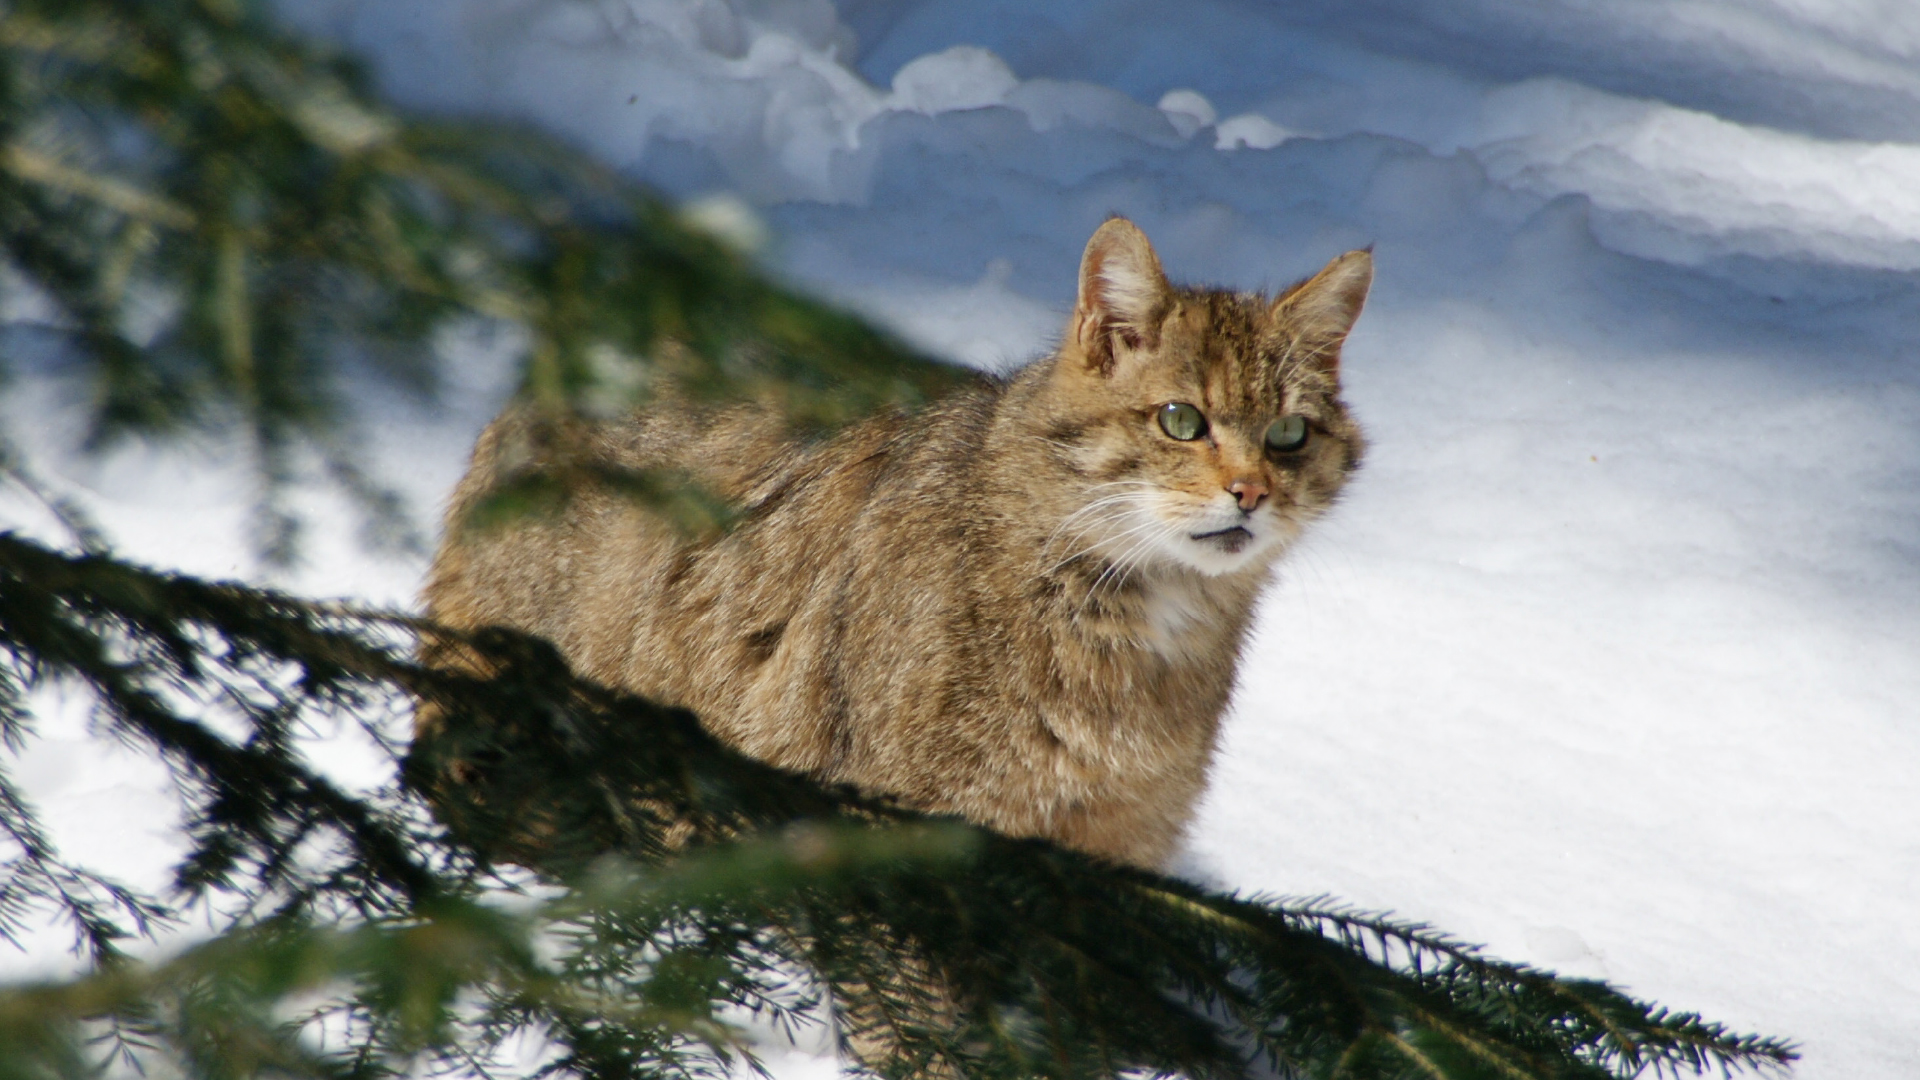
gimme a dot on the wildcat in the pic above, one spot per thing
(1022, 605)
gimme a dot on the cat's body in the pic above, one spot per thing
(1023, 605)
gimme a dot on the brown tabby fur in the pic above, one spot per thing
(997, 607)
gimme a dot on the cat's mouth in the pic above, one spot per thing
(1231, 540)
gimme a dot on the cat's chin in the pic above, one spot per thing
(1224, 551)
(1231, 541)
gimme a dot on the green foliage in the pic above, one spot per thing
(226, 220)
(684, 886)
(227, 223)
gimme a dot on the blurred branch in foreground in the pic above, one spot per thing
(686, 887)
(230, 226)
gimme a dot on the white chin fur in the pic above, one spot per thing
(1178, 535)
(1199, 544)
(1215, 557)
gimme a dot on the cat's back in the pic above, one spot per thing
(1024, 605)
(834, 540)
(848, 558)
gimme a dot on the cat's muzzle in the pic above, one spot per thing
(1231, 540)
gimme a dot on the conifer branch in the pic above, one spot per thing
(682, 860)
(300, 221)
(116, 195)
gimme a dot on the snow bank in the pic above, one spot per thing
(1841, 68)
(1608, 659)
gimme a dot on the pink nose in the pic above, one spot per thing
(1248, 492)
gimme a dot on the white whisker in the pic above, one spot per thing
(1123, 564)
(1096, 545)
(1112, 507)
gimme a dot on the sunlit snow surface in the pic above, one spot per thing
(1611, 657)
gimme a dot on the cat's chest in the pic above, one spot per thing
(1135, 694)
(1178, 620)
(1146, 624)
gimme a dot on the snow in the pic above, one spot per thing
(1608, 658)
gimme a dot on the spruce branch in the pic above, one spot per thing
(694, 881)
(195, 151)
(73, 518)
(123, 198)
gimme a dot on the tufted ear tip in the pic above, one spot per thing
(1323, 308)
(1350, 275)
(1122, 291)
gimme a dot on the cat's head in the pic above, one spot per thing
(1207, 425)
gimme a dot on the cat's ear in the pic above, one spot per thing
(1320, 311)
(1123, 293)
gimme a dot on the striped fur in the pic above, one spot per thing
(997, 607)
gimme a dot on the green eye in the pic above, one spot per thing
(1287, 433)
(1182, 421)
